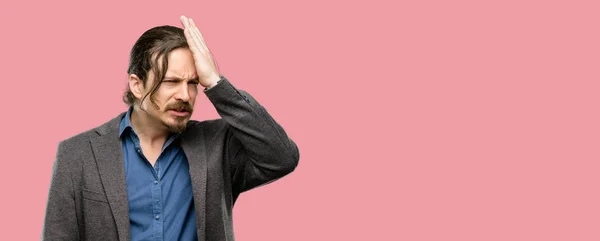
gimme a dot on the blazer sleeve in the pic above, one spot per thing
(60, 222)
(259, 150)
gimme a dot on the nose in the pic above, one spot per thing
(183, 93)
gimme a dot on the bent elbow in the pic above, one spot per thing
(291, 160)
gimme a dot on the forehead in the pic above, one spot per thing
(181, 64)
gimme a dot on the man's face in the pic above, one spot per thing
(177, 93)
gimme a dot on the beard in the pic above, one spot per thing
(180, 122)
(178, 127)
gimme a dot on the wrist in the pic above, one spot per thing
(213, 80)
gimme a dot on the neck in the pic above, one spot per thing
(148, 128)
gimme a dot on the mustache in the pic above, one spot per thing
(180, 106)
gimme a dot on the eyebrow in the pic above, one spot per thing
(196, 79)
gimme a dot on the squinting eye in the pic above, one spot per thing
(194, 83)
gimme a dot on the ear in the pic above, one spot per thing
(136, 86)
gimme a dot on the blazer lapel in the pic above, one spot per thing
(109, 158)
(192, 144)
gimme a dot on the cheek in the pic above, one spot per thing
(155, 107)
(162, 98)
(194, 94)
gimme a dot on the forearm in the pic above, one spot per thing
(264, 140)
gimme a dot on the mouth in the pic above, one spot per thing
(180, 112)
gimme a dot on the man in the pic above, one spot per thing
(151, 173)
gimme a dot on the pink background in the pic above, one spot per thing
(436, 120)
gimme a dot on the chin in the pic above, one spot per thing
(176, 128)
(176, 125)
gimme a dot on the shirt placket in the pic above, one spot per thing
(157, 203)
(156, 190)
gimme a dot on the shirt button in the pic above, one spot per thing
(155, 182)
(157, 217)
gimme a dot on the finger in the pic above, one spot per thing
(184, 22)
(194, 37)
(197, 34)
(191, 42)
(198, 40)
(195, 41)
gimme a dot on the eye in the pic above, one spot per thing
(194, 83)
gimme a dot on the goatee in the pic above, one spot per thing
(177, 128)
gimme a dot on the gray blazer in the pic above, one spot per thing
(244, 149)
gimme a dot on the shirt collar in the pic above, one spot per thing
(126, 122)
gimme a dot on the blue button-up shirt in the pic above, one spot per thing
(161, 205)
